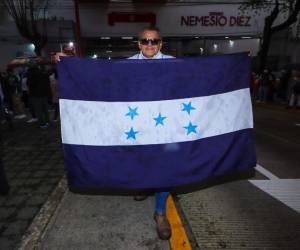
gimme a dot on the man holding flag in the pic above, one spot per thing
(150, 44)
(155, 124)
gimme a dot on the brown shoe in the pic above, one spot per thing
(140, 197)
(162, 226)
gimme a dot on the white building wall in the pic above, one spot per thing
(173, 20)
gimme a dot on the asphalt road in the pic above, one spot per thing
(262, 212)
(277, 135)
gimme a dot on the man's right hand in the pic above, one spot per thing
(58, 55)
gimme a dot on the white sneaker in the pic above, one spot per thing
(45, 126)
(32, 120)
(20, 116)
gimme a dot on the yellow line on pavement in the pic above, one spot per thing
(179, 239)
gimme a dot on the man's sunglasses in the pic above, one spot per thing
(145, 41)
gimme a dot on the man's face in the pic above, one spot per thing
(150, 43)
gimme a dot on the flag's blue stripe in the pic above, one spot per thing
(152, 166)
(132, 80)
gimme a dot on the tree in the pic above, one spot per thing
(30, 19)
(276, 7)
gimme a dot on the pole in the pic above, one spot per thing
(78, 32)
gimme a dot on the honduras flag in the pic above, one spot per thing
(155, 123)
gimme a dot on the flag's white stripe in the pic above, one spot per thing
(105, 123)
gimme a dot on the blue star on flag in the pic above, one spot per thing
(132, 112)
(159, 119)
(131, 134)
(191, 128)
(187, 107)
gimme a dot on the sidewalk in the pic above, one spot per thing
(235, 215)
(102, 222)
(95, 222)
(33, 162)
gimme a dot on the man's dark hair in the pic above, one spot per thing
(151, 28)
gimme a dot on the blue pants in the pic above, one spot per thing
(263, 93)
(161, 202)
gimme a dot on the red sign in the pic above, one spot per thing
(126, 17)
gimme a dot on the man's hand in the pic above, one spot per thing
(57, 56)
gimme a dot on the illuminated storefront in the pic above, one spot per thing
(188, 29)
(108, 29)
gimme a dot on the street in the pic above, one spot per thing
(243, 214)
(260, 213)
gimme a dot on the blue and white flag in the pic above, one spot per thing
(155, 123)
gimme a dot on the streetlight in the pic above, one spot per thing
(31, 46)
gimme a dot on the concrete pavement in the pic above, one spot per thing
(239, 216)
(33, 161)
(102, 222)
(234, 215)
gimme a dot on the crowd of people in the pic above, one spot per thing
(29, 93)
(280, 87)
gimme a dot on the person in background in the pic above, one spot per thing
(290, 85)
(39, 88)
(2, 116)
(4, 186)
(6, 115)
(14, 82)
(284, 78)
(295, 95)
(24, 87)
(26, 99)
(265, 83)
(54, 89)
(253, 85)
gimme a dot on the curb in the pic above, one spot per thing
(40, 222)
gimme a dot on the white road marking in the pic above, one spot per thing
(283, 190)
(265, 172)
